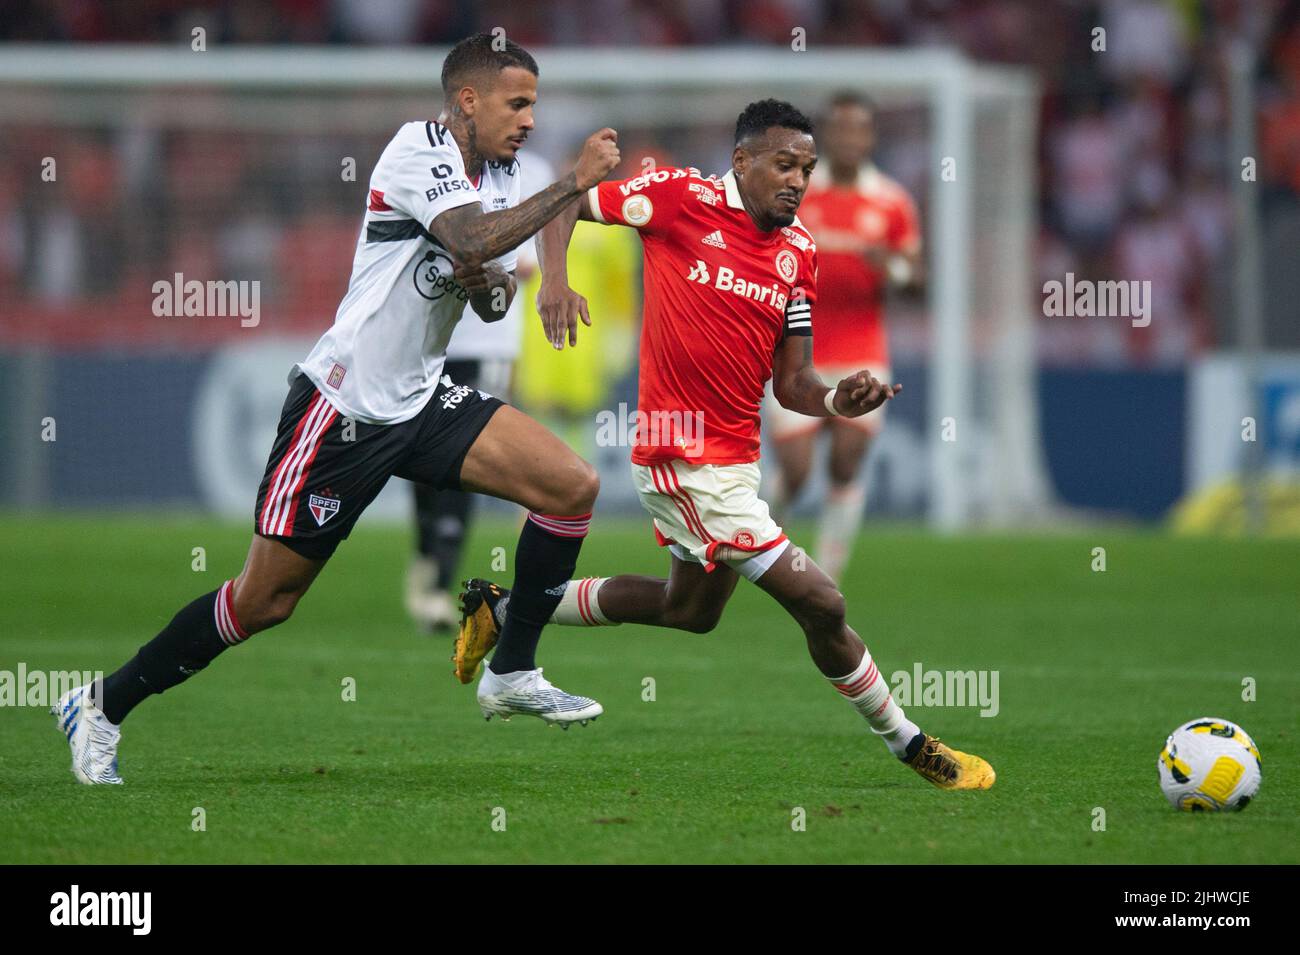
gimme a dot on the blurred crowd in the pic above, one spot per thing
(1135, 162)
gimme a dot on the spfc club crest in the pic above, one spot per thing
(322, 508)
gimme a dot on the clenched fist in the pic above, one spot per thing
(599, 157)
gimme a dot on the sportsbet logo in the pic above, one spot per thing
(727, 281)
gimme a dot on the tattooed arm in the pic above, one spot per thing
(473, 236)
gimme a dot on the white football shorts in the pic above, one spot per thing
(711, 514)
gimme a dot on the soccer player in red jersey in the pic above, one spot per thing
(730, 287)
(868, 237)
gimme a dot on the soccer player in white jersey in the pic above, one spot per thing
(730, 293)
(481, 354)
(372, 401)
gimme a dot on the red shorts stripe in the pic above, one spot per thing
(676, 481)
(291, 509)
(665, 486)
(282, 499)
(269, 506)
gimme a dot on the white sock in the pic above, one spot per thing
(841, 517)
(579, 606)
(867, 690)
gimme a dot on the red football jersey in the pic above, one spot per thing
(877, 211)
(720, 295)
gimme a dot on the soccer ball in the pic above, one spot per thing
(1209, 765)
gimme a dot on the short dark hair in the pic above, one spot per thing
(482, 53)
(848, 97)
(759, 117)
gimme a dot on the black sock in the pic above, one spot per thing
(426, 503)
(450, 520)
(184, 647)
(544, 561)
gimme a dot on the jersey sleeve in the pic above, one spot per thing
(799, 307)
(429, 177)
(648, 203)
(905, 227)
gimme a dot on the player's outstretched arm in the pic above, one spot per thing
(473, 236)
(797, 386)
(559, 306)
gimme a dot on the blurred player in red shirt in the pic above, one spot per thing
(868, 238)
(731, 300)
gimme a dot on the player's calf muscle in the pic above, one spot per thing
(272, 582)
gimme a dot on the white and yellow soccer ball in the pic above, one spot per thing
(1209, 765)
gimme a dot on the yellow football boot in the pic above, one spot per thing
(949, 769)
(479, 627)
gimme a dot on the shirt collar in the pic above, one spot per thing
(733, 199)
(732, 190)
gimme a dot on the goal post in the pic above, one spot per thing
(980, 427)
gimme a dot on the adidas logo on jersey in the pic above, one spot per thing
(715, 239)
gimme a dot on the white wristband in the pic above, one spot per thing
(899, 269)
(829, 401)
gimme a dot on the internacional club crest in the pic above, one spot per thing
(787, 266)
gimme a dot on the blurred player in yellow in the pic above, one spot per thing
(564, 388)
(868, 238)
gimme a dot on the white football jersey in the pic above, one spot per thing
(381, 359)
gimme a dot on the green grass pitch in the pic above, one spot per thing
(1094, 670)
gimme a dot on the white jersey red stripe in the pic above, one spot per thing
(381, 360)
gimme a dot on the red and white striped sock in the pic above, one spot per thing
(579, 606)
(867, 690)
(228, 627)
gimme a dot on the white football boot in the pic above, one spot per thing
(528, 693)
(91, 736)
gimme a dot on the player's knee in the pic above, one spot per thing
(580, 490)
(693, 617)
(280, 607)
(265, 611)
(588, 487)
(698, 620)
(823, 610)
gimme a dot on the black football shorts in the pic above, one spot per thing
(326, 468)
